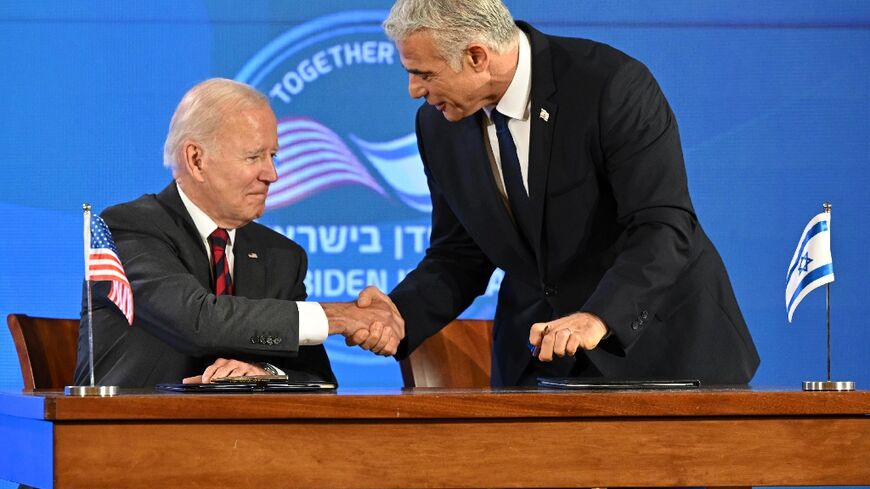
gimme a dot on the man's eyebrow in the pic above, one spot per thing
(414, 71)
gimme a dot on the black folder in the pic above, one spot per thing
(577, 383)
(230, 387)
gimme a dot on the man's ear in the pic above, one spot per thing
(193, 160)
(478, 57)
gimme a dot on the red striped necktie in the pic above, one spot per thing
(223, 281)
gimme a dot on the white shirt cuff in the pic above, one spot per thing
(313, 327)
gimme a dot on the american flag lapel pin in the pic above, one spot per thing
(544, 115)
(252, 256)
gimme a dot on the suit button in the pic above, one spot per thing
(550, 290)
(644, 315)
(277, 340)
(269, 341)
(635, 325)
(253, 340)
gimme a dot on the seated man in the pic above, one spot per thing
(207, 281)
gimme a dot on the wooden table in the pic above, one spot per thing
(437, 438)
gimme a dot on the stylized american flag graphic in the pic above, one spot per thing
(312, 159)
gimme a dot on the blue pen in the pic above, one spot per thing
(536, 350)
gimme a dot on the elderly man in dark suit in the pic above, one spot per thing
(558, 160)
(208, 282)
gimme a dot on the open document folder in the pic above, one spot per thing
(256, 383)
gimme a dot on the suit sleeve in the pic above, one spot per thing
(453, 272)
(173, 305)
(644, 166)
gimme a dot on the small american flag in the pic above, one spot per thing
(104, 264)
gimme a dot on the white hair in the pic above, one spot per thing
(200, 112)
(454, 24)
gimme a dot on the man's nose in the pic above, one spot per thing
(415, 88)
(270, 173)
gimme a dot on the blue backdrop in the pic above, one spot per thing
(771, 98)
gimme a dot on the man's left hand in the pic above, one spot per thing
(564, 336)
(225, 368)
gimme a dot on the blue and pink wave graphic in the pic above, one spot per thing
(313, 158)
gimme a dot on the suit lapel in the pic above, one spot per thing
(171, 201)
(543, 124)
(540, 144)
(249, 275)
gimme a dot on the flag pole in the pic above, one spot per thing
(89, 390)
(828, 385)
(86, 209)
(828, 306)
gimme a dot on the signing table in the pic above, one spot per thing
(437, 438)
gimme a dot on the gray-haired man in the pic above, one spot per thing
(558, 160)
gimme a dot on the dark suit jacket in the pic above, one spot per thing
(615, 231)
(180, 326)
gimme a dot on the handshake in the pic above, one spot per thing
(372, 322)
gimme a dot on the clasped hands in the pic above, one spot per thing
(372, 322)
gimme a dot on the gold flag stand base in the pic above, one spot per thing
(827, 385)
(91, 390)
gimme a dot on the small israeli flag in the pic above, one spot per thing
(811, 266)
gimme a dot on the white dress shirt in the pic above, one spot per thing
(313, 326)
(516, 104)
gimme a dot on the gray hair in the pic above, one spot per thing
(453, 25)
(199, 114)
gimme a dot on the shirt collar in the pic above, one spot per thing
(515, 101)
(204, 224)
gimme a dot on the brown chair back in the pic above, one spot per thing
(457, 356)
(46, 350)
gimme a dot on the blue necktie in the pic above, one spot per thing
(513, 176)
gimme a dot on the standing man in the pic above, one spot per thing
(208, 282)
(558, 160)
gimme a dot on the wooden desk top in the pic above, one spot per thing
(435, 404)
